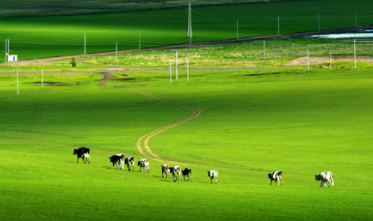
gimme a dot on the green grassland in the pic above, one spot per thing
(73, 7)
(278, 53)
(299, 122)
(37, 37)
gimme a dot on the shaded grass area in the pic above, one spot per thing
(40, 37)
(253, 122)
(70, 7)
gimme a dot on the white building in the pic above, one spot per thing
(12, 58)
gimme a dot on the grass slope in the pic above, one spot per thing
(279, 53)
(297, 122)
(72, 7)
(37, 37)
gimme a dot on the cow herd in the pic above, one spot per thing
(176, 172)
(324, 177)
(118, 161)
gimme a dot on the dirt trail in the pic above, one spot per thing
(320, 60)
(107, 75)
(143, 142)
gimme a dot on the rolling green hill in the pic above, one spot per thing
(39, 37)
(290, 120)
(253, 122)
(73, 7)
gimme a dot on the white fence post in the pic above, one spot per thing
(170, 73)
(17, 83)
(177, 77)
(355, 51)
(308, 58)
(187, 70)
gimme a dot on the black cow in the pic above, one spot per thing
(117, 161)
(130, 162)
(175, 171)
(80, 152)
(213, 174)
(325, 177)
(165, 170)
(144, 163)
(187, 172)
(276, 176)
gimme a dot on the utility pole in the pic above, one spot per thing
(318, 21)
(308, 56)
(237, 28)
(187, 70)
(85, 36)
(139, 40)
(6, 41)
(190, 33)
(8, 48)
(177, 78)
(170, 73)
(330, 60)
(17, 83)
(116, 51)
(7, 45)
(355, 51)
(264, 48)
(278, 25)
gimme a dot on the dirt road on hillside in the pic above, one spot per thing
(143, 141)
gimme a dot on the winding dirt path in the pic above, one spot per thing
(143, 142)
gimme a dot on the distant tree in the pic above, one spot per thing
(73, 62)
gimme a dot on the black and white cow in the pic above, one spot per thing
(130, 162)
(117, 160)
(165, 170)
(188, 173)
(213, 174)
(325, 177)
(176, 172)
(87, 158)
(144, 163)
(276, 176)
(79, 152)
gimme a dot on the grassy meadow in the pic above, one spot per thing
(11, 8)
(47, 36)
(253, 122)
(279, 53)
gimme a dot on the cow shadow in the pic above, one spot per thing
(162, 179)
(170, 180)
(74, 161)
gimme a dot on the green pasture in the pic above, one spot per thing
(9, 8)
(46, 36)
(302, 123)
(259, 54)
(277, 54)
